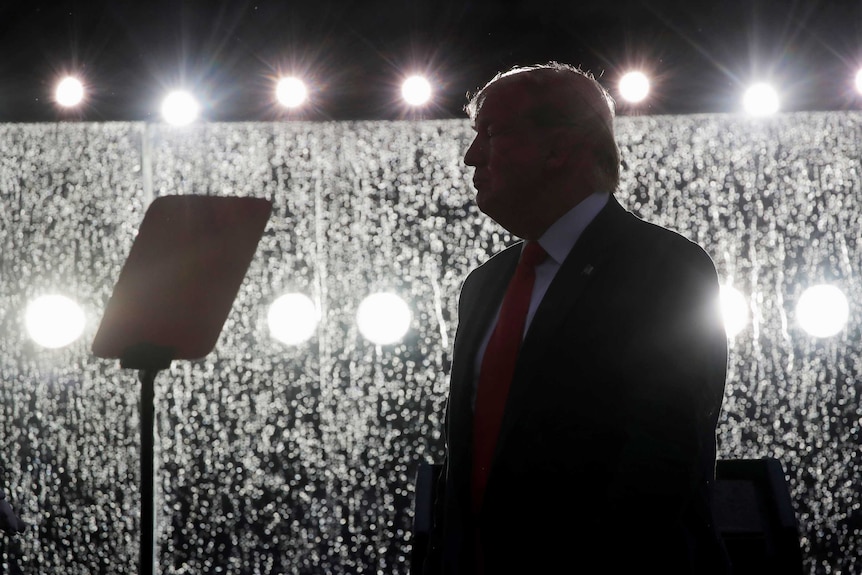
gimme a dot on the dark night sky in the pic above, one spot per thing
(701, 54)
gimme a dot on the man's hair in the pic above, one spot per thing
(564, 95)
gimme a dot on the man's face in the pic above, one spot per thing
(508, 154)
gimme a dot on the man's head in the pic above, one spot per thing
(544, 142)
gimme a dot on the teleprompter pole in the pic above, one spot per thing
(148, 360)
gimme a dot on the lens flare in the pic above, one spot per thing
(416, 91)
(383, 318)
(291, 92)
(180, 108)
(54, 321)
(822, 310)
(293, 318)
(70, 92)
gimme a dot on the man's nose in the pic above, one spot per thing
(474, 154)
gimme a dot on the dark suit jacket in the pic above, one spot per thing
(607, 443)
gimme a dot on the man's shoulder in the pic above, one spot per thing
(648, 236)
(498, 264)
(500, 260)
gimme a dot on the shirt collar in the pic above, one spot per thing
(559, 239)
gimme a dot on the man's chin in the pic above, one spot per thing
(509, 221)
(484, 204)
(493, 212)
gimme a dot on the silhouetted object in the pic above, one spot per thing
(9, 520)
(182, 275)
(754, 513)
(617, 385)
(171, 301)
(752, 509)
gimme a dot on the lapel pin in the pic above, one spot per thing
(588, 270)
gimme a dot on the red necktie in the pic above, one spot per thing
(498, 366)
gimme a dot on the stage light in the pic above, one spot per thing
(859, 81)
(293, 318)
(634, 87)
(69, 92)
(822, 310)
(291, 92)
(761, 100)
(383, 318)
(54, 321)
(179, 108)
(416, 90)
(734, 310)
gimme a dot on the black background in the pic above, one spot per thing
(700, 55)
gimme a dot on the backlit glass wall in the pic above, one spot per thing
(301, 459)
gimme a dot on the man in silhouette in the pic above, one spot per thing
(589, 361)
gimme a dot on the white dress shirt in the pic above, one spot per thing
(558, 240)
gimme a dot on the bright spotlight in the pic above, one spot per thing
(822, 310)
(761, 100)
(69, 92)
(179, 108)
(383, 318)
(416, 90)
(734, 309)
(859, 81)
(634, 87)
(293, 318)
(291, 92)
(54, 321)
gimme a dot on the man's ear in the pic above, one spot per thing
(561, 145)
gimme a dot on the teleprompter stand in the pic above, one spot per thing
(148, 360)
(171, 301)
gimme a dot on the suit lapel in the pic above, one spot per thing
(485, 300)
(481, 297)
(586, 261)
